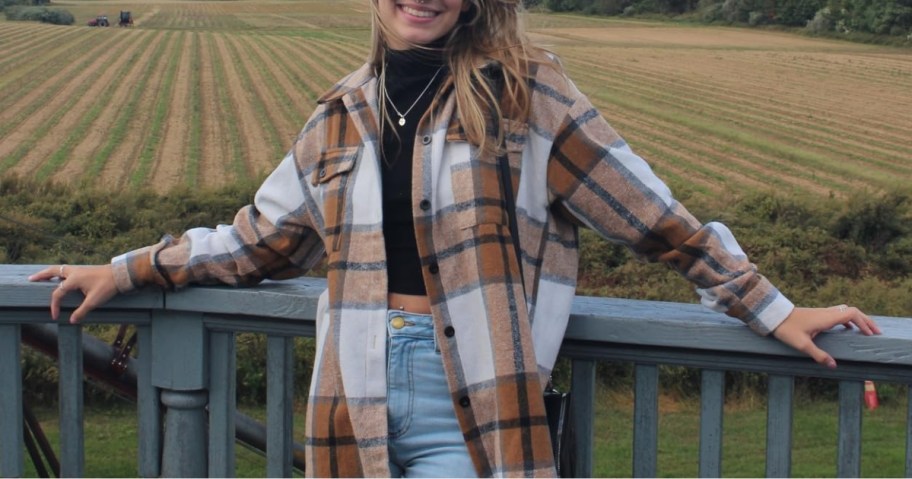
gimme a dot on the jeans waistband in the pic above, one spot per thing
(402, 323)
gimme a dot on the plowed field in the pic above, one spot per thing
(205, 93)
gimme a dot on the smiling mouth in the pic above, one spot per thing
(418, 13)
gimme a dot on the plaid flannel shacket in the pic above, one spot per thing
(497, 348)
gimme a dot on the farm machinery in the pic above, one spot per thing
(126, 19)
(99, 21)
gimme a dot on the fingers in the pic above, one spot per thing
(819, 355)
(48, 273)
(56, 297)
(851, 316)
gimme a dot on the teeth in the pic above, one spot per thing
(417, 13)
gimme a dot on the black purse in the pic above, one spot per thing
(557, 404)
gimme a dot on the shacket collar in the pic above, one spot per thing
(353, 82)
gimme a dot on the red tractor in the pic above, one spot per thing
(99, 21)
(126, 19)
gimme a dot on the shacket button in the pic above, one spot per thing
(323, 173)
(434, 268)
(425, 205)
(464, 401)
(426, 139)
(449, 331)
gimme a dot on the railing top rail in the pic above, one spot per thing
(600, 320)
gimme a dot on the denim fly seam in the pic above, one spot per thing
(410, 344)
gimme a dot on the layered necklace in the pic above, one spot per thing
(420, 95)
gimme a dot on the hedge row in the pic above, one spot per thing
(856, 251)
(54, 16)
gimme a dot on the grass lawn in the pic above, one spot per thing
(110, 439)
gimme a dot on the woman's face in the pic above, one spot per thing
(419, 21)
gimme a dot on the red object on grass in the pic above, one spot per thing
(870, 396)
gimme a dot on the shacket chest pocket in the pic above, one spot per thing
(477, 188)
(333, 176)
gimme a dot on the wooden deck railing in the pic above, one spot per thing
(186, 387)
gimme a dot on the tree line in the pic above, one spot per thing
(35, 11)
(846, 17)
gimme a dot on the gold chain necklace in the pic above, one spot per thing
(390, 101)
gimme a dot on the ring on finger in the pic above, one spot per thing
(60, 271)
(842, 308)
(60, 286)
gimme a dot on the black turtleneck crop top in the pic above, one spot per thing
(407, 75)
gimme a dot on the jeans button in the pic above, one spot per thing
(397, 322)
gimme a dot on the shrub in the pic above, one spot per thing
(822, 22)
(876, 221)
(54, 16)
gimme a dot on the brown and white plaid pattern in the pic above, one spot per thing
(497, 346)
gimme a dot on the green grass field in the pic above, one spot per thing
(110, 439)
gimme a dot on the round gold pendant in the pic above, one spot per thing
(401, 121)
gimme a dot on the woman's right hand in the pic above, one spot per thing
(95, 282)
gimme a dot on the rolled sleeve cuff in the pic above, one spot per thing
(773, 315)
(133, 270)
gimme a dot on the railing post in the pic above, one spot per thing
(72, 433)
(185, 434)
(279, 402)
(779, 426)
(849, 457)
(222, 403)
(646, 421)
(712, 402)
(582, 398)
(909, 431)
(148, 405)
(179, 369)
(12, 462)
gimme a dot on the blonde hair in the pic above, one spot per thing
(488, 31)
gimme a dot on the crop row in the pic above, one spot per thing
(205, 94)
(786, 137)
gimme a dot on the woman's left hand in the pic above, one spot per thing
(799, 328)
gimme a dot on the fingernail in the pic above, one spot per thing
(831, 364)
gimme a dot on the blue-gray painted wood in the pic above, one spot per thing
(261, 324)
(779, 426)
(691, 326)
(148, 408)
(184, 453)
(646, 421)
(909, 431)
(600, 329)
(72, 437)
(786, 365)
(180, 362)
(17, 292)
(11, 435)
(279, 405)
(849, 452)
(293, 299)
(582, 407)
(222, 403)
(712, 400)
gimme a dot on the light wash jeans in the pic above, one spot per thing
(425, 439)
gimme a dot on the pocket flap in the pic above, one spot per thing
(334, 162)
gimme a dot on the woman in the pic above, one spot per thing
(437, 340)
